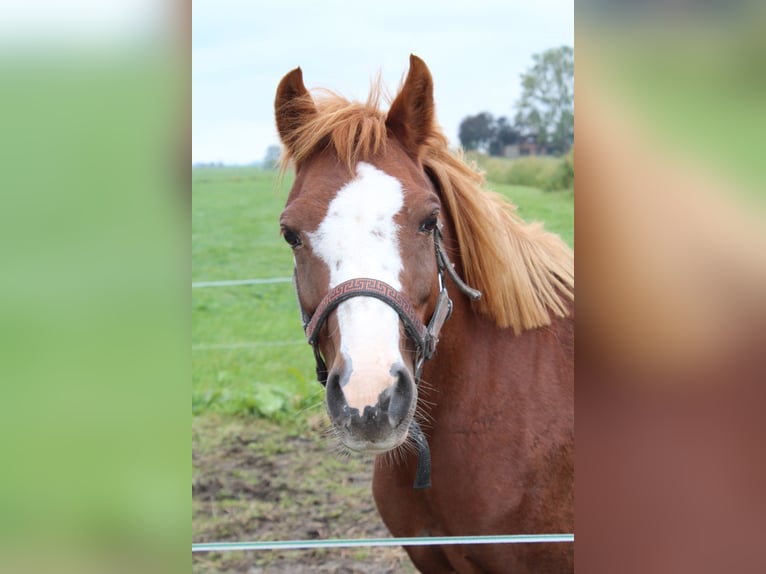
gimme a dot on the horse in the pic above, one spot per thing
(442, 326)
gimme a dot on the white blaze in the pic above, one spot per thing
(359, 238)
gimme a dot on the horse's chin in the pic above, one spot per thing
(377, 446)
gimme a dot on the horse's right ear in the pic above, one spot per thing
(293, 106)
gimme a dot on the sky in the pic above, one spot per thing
(476, 51)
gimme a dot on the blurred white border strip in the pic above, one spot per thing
(84, 22)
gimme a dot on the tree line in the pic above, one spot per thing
(544, 120)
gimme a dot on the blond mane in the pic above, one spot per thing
(525, 274)
(355, 130)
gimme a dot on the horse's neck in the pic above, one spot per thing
(473, 345)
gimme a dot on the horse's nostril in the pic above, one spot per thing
(401, 397)
(336, 401)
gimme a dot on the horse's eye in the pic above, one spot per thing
(292, 238)
(428, 224)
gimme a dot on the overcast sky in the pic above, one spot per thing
(476, 51)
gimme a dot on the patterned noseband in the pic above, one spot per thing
(364, 287)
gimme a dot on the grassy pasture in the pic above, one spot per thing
(547, 173)
(248, 350)
(249, 355)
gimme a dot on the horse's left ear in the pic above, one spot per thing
(293, 106)
(411, 116)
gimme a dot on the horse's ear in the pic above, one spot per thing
(293, 106)
(411, 116)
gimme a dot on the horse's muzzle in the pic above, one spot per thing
(378, 427)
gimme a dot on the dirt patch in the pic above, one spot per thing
(257, 480)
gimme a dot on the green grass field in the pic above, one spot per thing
(249, 355)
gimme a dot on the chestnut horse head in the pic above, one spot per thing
(361, 219)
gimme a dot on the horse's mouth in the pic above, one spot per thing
(357, 442)
(370, 447)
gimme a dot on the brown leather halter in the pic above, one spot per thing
(425, 337)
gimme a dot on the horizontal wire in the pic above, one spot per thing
(372, 542)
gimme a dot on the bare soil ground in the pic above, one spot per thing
(256, 480)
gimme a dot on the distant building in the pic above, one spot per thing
(527, 146)
(511, 151)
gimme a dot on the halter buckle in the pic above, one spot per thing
(442, 312)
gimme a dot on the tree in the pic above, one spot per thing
(476, 132)
(504, 134)
(546, 106)
(485, 133)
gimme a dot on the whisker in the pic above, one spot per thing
(424, 419)
(404, 450)
(342, 452)
(330, 432)
(388, 459)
